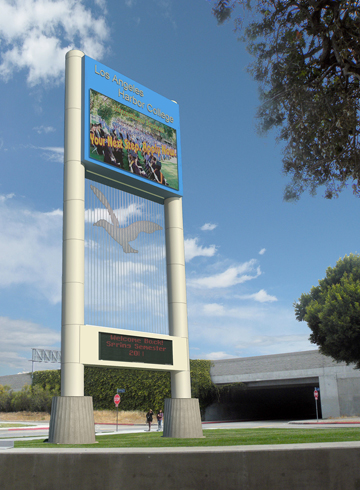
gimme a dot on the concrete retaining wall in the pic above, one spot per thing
(309, 367)
(329, 466)
(349, 396)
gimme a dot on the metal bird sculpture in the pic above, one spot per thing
(122, 235)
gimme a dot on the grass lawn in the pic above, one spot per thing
(219, 437)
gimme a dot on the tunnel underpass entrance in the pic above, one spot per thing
(290, 402)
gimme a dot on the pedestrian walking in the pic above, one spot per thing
(149, 418)
(160, 416)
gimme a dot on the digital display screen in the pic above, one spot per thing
(126, 348)
(128, 140)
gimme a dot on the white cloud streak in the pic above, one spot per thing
(208, 227)
(242, 331)
(262, 251)
(214, 356)
(276, 344)
(18, 337)
(239, 313)
(30, 249)
(123, 214)
(5, 197)
(36, 35)
(52, 153)
(261, 296)
(232, 276)
(44, 129)
(192, 249)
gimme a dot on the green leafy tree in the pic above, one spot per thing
(332, 311)
(308, 68)
(202, 386)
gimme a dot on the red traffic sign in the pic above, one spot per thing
(316, 394)
(117, 399)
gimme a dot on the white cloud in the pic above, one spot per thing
(261, 296)
(30, 249)
(239, 313)
(36, 35)
(123, 214)
(232, 276)
(214, 309)
(242, 331)
(119, 269)
(277, 344)
(53, 153)
(208, 227)
(5, 197)
(192, 249)
(101, 4)
(262, 251)
(214, 356)
(24, 334)
(44, 129)
(18, 337)
(55, 149)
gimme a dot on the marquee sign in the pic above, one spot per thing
(130, 348)
(115, 347)
(131, 135)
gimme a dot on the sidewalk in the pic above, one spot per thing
(340, 421)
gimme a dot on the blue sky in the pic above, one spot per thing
(249, 254)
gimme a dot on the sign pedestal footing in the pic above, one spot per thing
(72, 420)
(182, 418)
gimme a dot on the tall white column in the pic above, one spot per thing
(176, 283)
(72, 371)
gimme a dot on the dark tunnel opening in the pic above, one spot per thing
(266, 403)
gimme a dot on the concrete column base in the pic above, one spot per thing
(72, 420)
(182, 418)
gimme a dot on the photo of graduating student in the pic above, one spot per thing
(124, 138)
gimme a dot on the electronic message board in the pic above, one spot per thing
(129, 348)
(131, 135)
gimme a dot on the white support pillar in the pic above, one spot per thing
(182, 413)
(72, 416)
(175, 265)
(72, 371)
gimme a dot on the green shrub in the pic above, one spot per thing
(144, 389)
(48, 380)
(21, 400)
(5, 398)
(202, 386)
(40, 399)
(28, 399)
